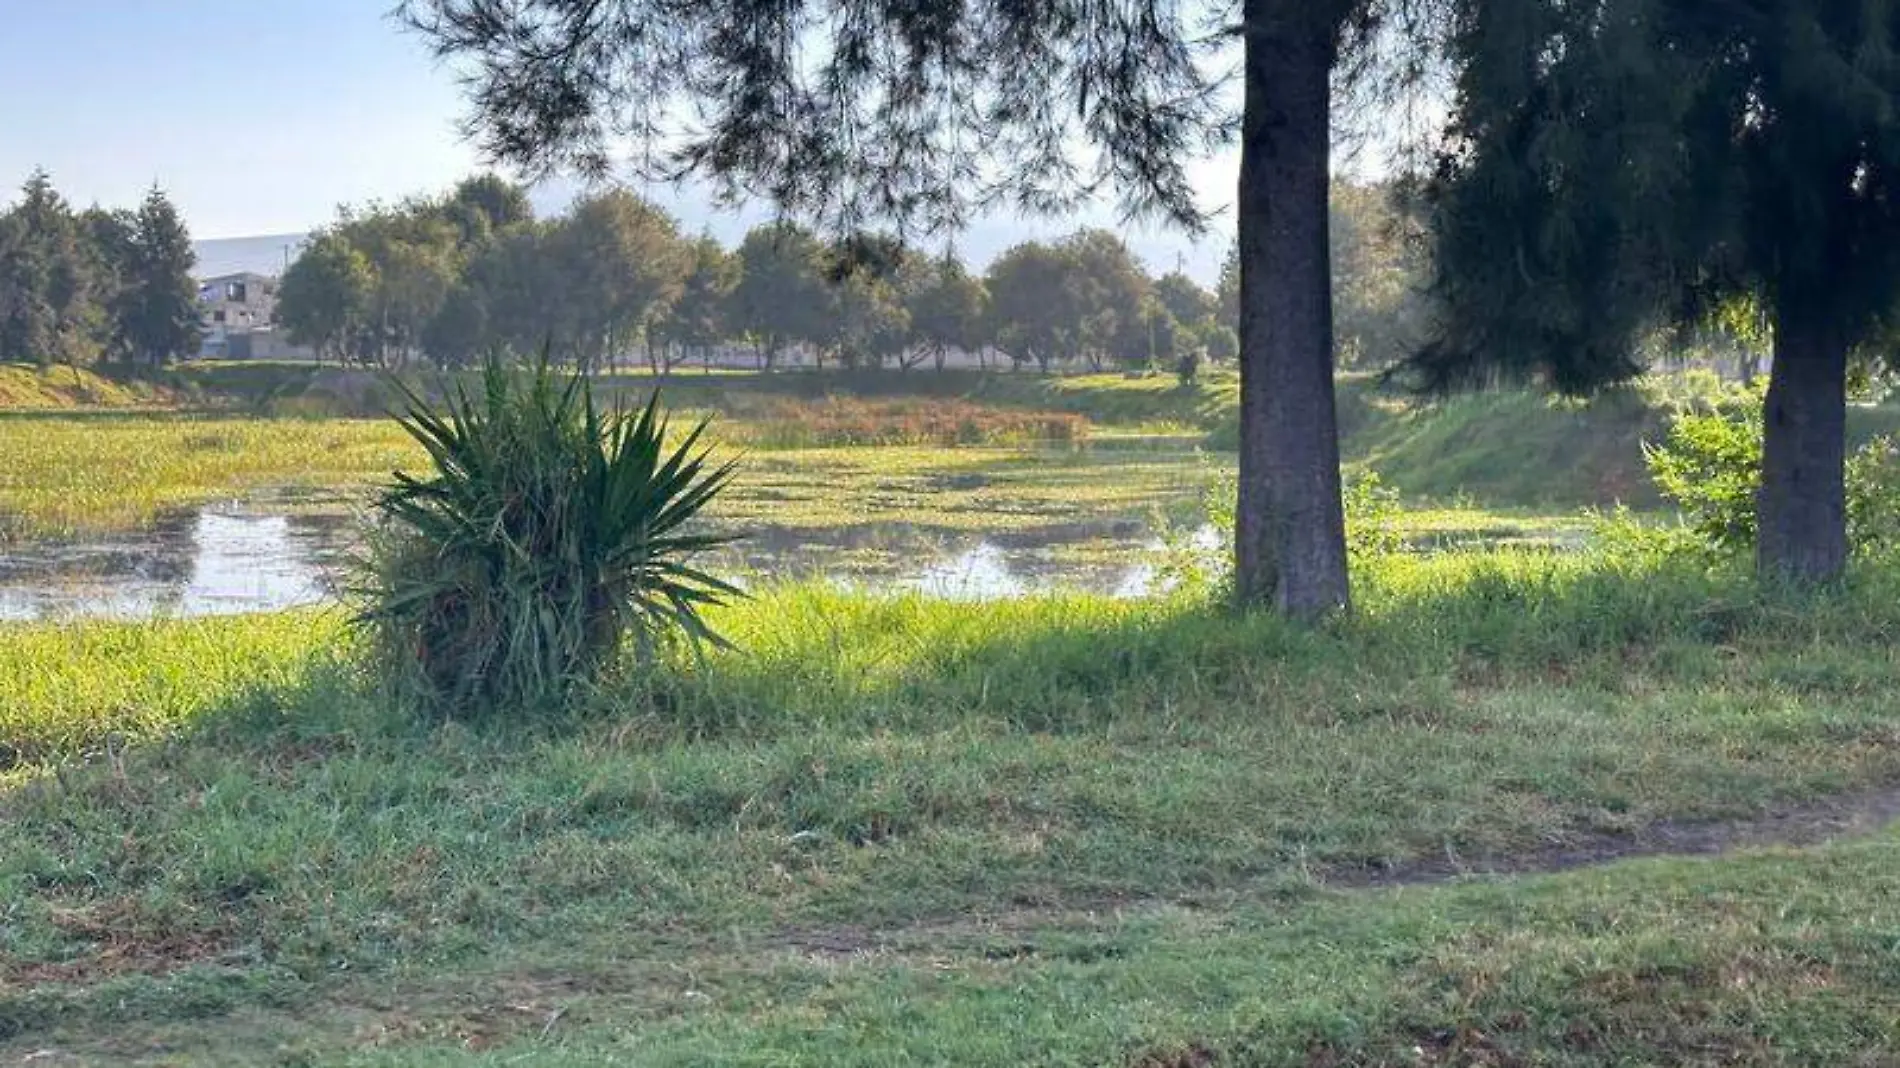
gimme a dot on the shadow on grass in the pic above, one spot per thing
(902, 758)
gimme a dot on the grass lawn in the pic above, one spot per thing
(1056, 831)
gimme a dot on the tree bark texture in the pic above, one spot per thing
(1290, 542)
(1802, 507)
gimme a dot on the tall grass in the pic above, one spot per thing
(75, 474)
(781, 423)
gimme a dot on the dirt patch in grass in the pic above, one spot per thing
(1193, 1055)
(506, 1011)
(1008, 934)
(1011, 933)
(123, 938)
(1854, 815)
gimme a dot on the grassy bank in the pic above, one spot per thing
(25, 387)
(1056, 831)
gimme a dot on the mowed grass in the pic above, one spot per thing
(1064, 830)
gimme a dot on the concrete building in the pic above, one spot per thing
(240, 319)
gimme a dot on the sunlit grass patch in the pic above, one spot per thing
(67, 475)
(1058, 829)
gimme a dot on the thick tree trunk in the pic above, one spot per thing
(1290, 541)
(1802, 509)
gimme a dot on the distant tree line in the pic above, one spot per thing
(453, 279)
(80, 287)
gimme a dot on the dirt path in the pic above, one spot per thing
(1847, 816)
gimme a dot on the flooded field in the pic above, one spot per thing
(232, 559)
(274, 553)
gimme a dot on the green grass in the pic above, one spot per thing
(72, 474)
(76, 474)
(25, 387)
(1105, 441)
(1057, 831)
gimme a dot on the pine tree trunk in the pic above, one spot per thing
(1802, 508)
(1290, 541)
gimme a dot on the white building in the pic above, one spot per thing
(239, 315)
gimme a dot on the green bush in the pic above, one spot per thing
(1202, 559)
(1710, 463)
(547, 535)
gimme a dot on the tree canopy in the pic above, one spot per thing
(1623, 164)
(922, 113)
(76, 287)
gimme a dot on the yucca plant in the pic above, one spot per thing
(550, 539)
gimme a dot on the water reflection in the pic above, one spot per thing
(227, 560)
(981, 574)
(209, 563)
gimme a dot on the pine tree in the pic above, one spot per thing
(1621, 164)
(45, 281)
(155, 313)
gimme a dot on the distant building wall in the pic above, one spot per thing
(239, 315)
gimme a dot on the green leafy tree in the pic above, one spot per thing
(484, 206)
(460, 334)
(154, 310)
(781, 297)
(1380, 276)
(1109, 294)
(324, 301)
(848, 111)
(523, 292)
(947, 307)
(1632, 162)
(1227, 290)
(622, 263)
(1219, 341)
(696, 320)
(414, 261)
(1185, 300)
(1032, 314)
(869, 324)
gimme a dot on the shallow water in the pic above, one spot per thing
(211, 562)
(229, 559)
(267, 557)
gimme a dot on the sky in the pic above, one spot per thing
(263, 118)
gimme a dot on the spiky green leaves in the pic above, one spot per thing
(549, 537)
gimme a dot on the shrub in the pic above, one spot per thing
(1709, 465)
(548, 534)
(1187, 369)
(1202, 559)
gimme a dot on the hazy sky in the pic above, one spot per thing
(261, 118)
